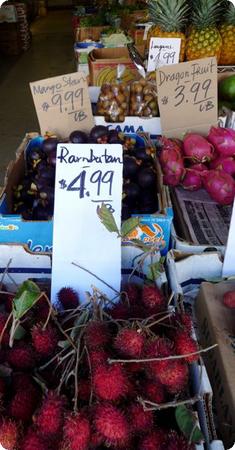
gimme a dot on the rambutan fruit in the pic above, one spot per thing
(44, 340)
(132, 292)
(9, 302)
(21, 381)
(41, 310)
(68, 298)
(129, 342)
(141, 421)
(77, 432)
(153, 391)
(173, 375)
(32, 441)
(153, 298)
(50, 417)
(185, 321)
(120, 311)
(155, 440)
(184, 345)
(160, 347)
(98, 357)
(97, 334)
(9, 434)
(110, 382)
(178, 442)
(112, 425)
(21, 356)
(23, 404)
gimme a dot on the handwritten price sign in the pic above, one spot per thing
(187, 96)
(163, 52)
(87, 176)
(63, 104)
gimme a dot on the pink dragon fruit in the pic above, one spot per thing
(199, 167)
(220, 186)
(171, 178)
(197, 148)
(171, 162)
(223, 140)
(192, 180)
(227, 164)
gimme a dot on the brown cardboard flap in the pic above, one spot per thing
(217, 325)
(102, 54)
(93, 33)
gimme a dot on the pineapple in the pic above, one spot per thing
(169, 18)
(227, 31)
(204, 39)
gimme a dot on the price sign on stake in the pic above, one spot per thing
(63, 104)
(187, 97)
(87, 175)
(162, 52)
(229, 259)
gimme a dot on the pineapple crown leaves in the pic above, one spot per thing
(229, 15)
(169, 15)
(206, 13)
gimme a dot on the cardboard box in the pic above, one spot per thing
(131, 124)
(92, 33)
(36, 235)
(103, 65)
(216, 326)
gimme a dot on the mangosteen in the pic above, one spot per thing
(131, 191)
(146, 177)
(47, 194)
(34, 157)
(99, 134)
(130, 166)
(114, 138)
(126, 214)
(78, 137)
(45, 177)
(41, 212)
(52, 159)
(143, 154)
(23, 210)
(49, 145)
(147, 196)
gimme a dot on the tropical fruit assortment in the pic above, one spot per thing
(33, 197)
(198, 162)
(98, 376)
(205, 27)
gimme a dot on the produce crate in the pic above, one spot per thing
(216, 325)
(91, 33)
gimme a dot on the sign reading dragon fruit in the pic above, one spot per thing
(187, 97)
(84, 252)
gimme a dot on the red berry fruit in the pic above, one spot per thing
(155, 440)
(50, 417)
(68, 298)
(184, 345)
(44, 340)
(129, 342)
(153, 299)
(32, 441)
(110, 382)
(21, 356)
(112, 425)
(77, 432)
(97, 334)
(140, 420)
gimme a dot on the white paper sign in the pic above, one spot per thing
(146, 30)
(87, 175)
(229, 259)
(163, 52)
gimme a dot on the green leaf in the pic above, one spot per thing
(187, 424)
(107, 218)
(129, 225)
(27, 294)
(140, 244)
(19, 333)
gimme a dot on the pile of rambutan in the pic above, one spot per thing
(94, 377)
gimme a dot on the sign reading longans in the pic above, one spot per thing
(87, 176)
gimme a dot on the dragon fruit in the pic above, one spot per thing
(223, 140)
(227, 164)
(192, 180)
(220, 186)
(171, 162)
(197, 148)
(199, 167)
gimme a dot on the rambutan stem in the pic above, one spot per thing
(157, 407)
(95, 276)
(5, 326)
(165, 358)
(89, 363)
(158, 321)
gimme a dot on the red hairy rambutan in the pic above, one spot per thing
(21, 381)
(97, 334)
(158, 348)
(112, 425)
(8, 302)
(141, 421)
(155, 440)
(42, 310)
(110, 382)
(84, 389)
(44, 341)
(23, 404)
(153, 391)
(32, 441)
(68, 297)
(120, 311)
(77, 432)
(98, 357)
(153, 298)
(9, 434)
(21, 356)
(185, 344)
(173, 375)
(185, 320)
(50, 417)
(177, 442)
(129, 342)
(133, 293)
